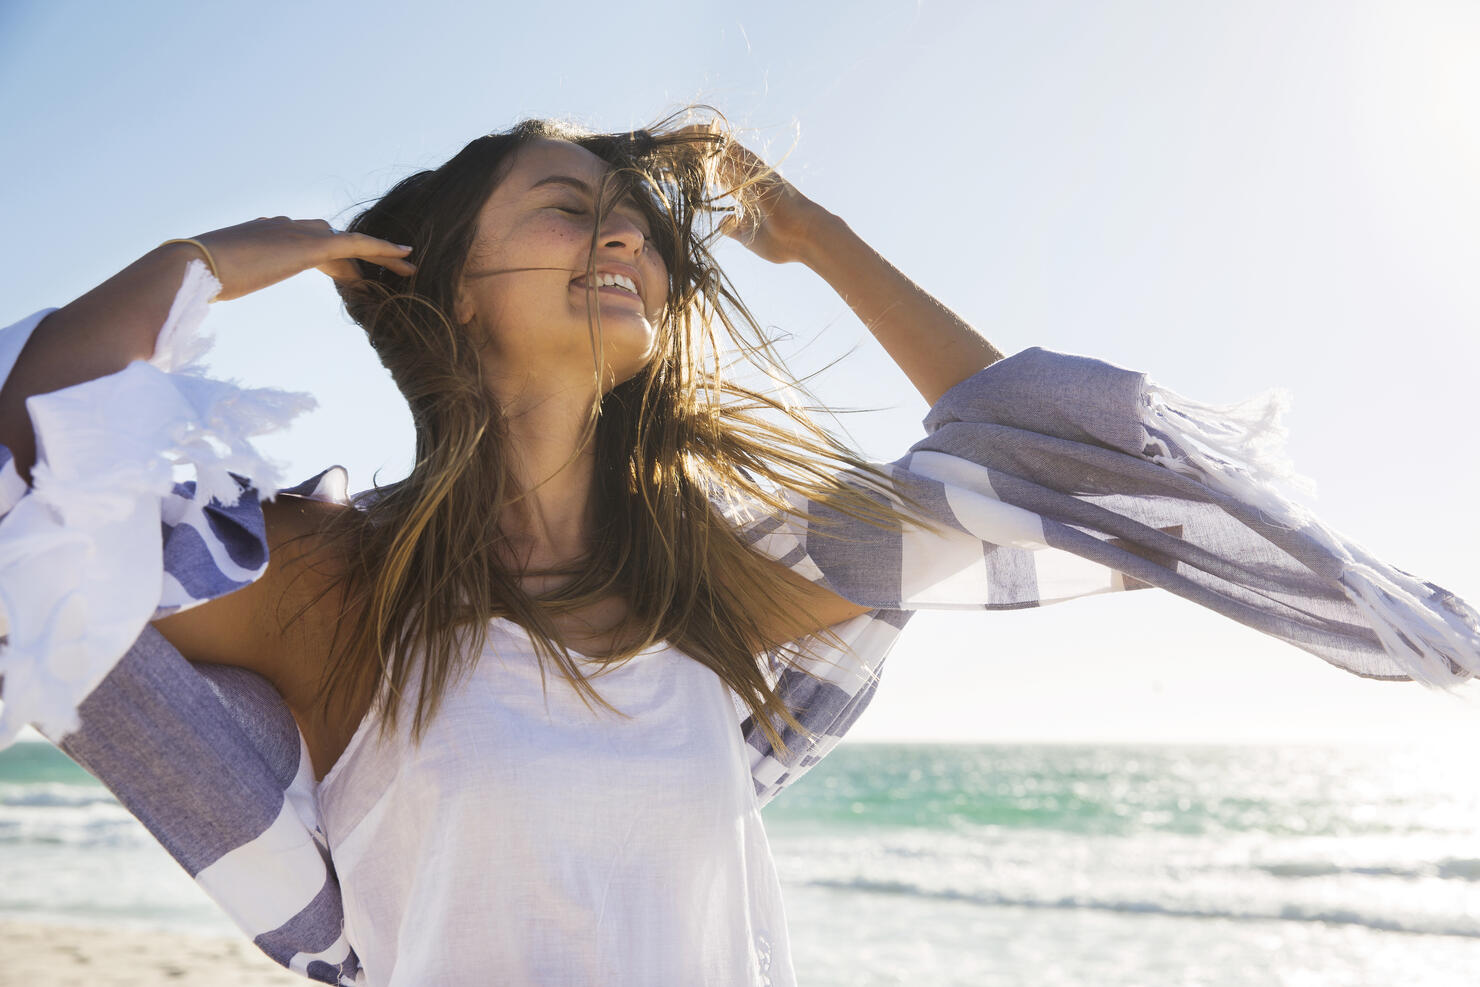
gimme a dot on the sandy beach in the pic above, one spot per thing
(75, 955)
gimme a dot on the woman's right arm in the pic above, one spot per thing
(98, 334)
(117, 322)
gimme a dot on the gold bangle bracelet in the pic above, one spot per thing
(202, 247)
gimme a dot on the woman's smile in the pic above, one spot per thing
(614, 284)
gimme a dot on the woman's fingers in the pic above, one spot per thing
(724, 165)
(737, 167)
(736, 227)
(251, 256)
(371, 247)
(361, 246)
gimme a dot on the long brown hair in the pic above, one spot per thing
(419, 563)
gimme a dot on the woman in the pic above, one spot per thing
(547, 304)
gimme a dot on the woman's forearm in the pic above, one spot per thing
(119, 321)
(934, 347)
(98, 334)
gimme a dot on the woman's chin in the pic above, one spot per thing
(627, 347)
(621, 371)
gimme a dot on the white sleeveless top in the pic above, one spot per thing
(536, 841)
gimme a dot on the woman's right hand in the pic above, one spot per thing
(251, 256)
(103, 330)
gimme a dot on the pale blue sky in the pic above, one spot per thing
(1227, 196)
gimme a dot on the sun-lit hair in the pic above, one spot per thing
(420, 567)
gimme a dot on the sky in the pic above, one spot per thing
(1228, 197)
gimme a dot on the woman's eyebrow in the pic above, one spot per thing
(562, 180)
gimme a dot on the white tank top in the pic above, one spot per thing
(543, 843)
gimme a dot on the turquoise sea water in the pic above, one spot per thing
(989, 864)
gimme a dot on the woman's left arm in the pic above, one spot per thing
(934, 346)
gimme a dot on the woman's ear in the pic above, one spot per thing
(462, 305)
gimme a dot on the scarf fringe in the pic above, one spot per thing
(180, 347)
(1429, 634)
(108, 452)
(1434, 642)
(226, 414)
(1241, 444)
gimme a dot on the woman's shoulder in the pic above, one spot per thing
(309, 555)
(273, 624)
(298, 523)
(297, 528)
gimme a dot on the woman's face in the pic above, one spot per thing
(525, 283)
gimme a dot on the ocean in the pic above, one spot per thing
(988, 864)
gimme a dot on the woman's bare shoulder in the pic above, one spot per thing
(246, 628)
(292, 518)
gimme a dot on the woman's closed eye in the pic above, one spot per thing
(585, 210)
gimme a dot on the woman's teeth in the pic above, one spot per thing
(612, 280)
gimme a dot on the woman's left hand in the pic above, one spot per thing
(780, 221)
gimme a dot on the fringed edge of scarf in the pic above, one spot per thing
(227, 414)
(104, 469)
(1238, 450)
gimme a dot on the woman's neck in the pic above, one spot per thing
(554, 521)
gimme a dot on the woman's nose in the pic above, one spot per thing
(622, 232)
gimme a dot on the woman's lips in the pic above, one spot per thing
(607, 289)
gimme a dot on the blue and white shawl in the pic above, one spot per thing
(1049, 477)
